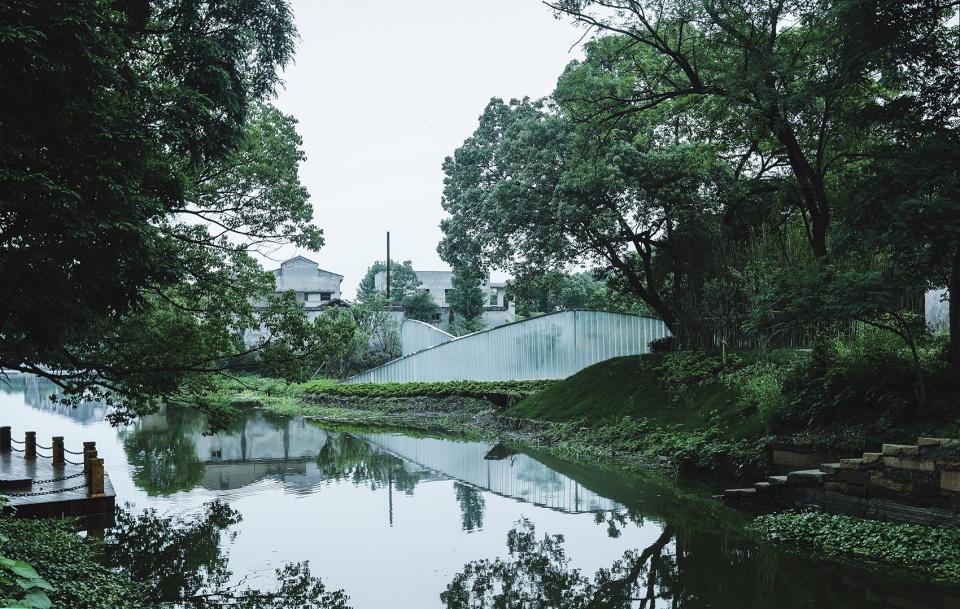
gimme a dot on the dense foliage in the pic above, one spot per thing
(777, 167)
(141, 165)
(935, 551)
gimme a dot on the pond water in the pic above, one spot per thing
(394, 520)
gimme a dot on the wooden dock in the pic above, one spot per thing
(51, 486)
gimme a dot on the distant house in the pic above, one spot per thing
(439, 284)
(315, 288)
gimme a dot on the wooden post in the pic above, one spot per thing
(58, 456)
(89, 456)
(30, 445)
(95, 485)
(5, 444)
(87, 447)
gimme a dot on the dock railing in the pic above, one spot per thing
(93, 470)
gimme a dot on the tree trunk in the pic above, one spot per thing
(953, 292)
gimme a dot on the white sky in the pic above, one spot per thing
(384, 90)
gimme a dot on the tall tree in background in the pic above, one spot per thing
(467, 304)
(139, 165)
(403, 282)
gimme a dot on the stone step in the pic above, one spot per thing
(830, 468)
(900, 450)
(806, 477)
(777, 480)
(762, 487)
(735, 493)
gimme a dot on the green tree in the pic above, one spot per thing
(419, 305)
(403, 282)
(467, 304)
(375, 341)
(531, 194)
(140, 167)
(555, 292)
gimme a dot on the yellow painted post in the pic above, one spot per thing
(89, 455)
(5, 444)
(58, 456)
(95, 488)
(30, 445)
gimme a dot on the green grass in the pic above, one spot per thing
(631, 386)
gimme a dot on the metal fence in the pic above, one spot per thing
(417, 336)
(552, 346)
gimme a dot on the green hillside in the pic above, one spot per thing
(635, 386)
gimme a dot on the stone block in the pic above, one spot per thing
(808, 477)
(950, 482)
(853, 476)
(928, 441)
(762, 487)
(872, 458)
(908, 463)
(790, 458)
(948, 466)
(900, 450)
(830, 468)
(836, 487)
(880, 482)
(925, 491)
(777, 480)
(851, 463)
(843, 503)
(950, 442)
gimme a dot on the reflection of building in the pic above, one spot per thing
(38, 392)
(439, 284)
(516, 476)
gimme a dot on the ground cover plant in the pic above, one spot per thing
(935, 551)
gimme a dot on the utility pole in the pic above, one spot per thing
(388, 265)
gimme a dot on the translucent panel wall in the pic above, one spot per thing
(549, 347)
(417, 336)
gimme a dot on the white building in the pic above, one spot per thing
(439, 284)
(315, 287)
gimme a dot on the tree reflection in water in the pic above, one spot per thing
(471, 506)
(183, 564)
(345, 457)
(165, 458)
(684, 568)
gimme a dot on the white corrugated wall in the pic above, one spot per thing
(553, 346)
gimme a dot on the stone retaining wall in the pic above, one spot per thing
(904, 483)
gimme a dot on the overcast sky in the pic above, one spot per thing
(384, 90)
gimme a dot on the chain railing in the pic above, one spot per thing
(92, 471)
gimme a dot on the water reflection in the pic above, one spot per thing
(506, 473)
(321, 495)
(38, 393)
(180, 561)
(680, 569)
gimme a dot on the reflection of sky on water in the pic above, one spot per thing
(353, 533)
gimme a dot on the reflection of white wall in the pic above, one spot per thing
(937, 310)
(517, 476)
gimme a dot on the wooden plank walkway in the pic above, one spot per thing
(37, 488)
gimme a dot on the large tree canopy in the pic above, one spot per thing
(702, 151)
(139, 165)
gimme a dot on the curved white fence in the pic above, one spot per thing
(553, 346)
(417, 336)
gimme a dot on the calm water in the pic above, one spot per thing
(394, 520)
